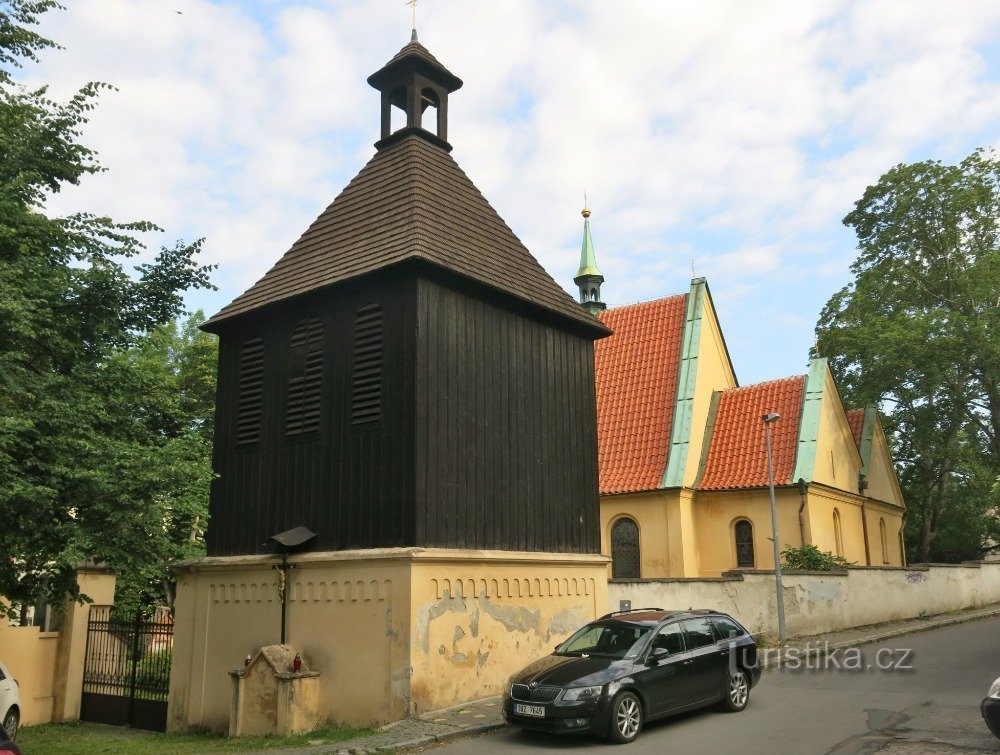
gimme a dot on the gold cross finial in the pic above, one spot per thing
(413, 6)
(586, 209)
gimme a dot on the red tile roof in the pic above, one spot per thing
(636, 371)
(856, 419)
(737, 456)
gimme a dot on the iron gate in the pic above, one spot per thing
(126, 673)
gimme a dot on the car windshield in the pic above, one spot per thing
(608, 638)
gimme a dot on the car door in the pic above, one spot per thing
(664, 682)
(710, 660)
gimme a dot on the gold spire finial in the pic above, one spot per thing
(586, 210)
(413, 5)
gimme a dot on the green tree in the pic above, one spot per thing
(72, 301)
(917, 333)
(164, 470)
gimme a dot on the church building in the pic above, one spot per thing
(682, 452)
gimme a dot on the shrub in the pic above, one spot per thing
(811, 558)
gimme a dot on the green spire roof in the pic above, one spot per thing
(588, 261)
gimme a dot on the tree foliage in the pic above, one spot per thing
(918, 333)
(76, 482)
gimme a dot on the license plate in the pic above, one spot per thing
(538, 711)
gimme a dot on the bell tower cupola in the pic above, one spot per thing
(413, 82)
(588, 277)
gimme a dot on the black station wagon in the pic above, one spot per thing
(630, 667)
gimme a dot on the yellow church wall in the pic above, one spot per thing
(877, 512)
(716, 514)
(837, 460)
(650, 512)
(822, 502)
(882, 482)
(715, 373)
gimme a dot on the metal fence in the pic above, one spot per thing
(126, 675)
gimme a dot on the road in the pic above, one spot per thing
(931, 708)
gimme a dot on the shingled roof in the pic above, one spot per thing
(636, 372)
(737, 457)
(411, 201)
(856, 419)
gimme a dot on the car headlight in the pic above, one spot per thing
(581, 694)
(995, 690)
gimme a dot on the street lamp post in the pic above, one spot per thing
(768, 419)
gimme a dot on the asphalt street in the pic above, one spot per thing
(931, 707)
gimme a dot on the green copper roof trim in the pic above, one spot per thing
(588, 260)
(812, 403)
(867, 434)
(713, 413)
(687, 374)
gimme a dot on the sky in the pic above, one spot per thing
(727, 137)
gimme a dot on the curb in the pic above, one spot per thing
(820, 650)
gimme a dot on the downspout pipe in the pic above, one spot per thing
(862, 487)
(803, 487)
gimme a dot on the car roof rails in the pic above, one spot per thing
(631, 610)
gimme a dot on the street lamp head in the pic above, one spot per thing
(772, 417)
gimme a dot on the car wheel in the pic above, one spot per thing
(10, 724)
(737, 693)
(626, 718)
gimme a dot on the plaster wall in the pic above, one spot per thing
(477, 618)
(822, 503)
(817, 602)
(30, 656)
(716, 514)
(650, 512)
(882, 483)
(391, 632)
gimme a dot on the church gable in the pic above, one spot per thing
(705, 367)
(837, 460)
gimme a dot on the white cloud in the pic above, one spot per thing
(735, 133)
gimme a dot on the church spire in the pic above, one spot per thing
(588, 277)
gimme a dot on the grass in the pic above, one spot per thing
(78, 737)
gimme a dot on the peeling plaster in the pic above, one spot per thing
(459, 658)
(431, 611)
(474, 622)
(513, 618)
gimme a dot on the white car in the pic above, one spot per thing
(10, 702)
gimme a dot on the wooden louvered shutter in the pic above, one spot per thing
(305, 379)
(250, 392)
(366, 385)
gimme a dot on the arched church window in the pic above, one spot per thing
(838, 535)
(885, 542)
(250, 392)
(625, 549)
(305, 379)
(745, 557)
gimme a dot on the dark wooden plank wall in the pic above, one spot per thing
(506, 447)
(353, 486)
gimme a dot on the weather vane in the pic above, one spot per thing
(413, 6)
(693, 275)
